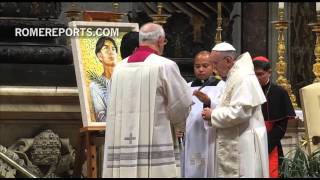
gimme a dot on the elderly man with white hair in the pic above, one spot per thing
(241, 136)
(148, 97)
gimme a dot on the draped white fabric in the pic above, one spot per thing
(241, 147)
(146, 99)
(200, 137)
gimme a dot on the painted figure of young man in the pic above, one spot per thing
(107, 53)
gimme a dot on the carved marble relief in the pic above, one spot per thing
(46, 155)
(302, 42)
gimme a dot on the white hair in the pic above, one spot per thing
(151, 35)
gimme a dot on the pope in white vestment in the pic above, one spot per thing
(148, 96)
(200, 137)
(241, 136)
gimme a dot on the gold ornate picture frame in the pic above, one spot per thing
(88, 48)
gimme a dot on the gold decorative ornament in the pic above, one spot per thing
(218, 38)
(73, 13)
(316, 66)
(107, 16)
(116, 16)
(159, 18)
(281, 66)
(115, 7)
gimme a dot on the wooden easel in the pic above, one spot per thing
(88, 141)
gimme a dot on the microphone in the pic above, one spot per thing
(210, 80)
(181, 141)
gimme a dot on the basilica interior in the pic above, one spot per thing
(39, 98)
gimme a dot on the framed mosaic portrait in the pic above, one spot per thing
(96, 51)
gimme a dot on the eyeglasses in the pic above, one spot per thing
(165, 40)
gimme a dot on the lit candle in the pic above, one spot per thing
(281, 5)
(317, 6)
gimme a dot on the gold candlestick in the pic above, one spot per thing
(73, 13)
(159, 18)
(107, 16)
(159, 8)
(218, 37)
(316, 66)
(281, 66)
(116, 16)
(115, 7)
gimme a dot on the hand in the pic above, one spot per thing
(179, 134)
(206, 114)
(202, 96)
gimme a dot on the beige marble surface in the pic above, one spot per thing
(38, 91)
(19, 100)
(27, 110)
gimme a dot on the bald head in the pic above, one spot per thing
(203, 67)
(149, 27)
(150, 32)
(202, 55)
(153, 36)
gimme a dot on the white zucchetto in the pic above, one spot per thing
(223, 47)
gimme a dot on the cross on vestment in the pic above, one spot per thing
(197, 160)
(130, 138)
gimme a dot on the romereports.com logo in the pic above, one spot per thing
(70, 32)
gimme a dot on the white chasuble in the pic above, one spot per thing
(200, 137)
(242, 146)
(146, 99)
